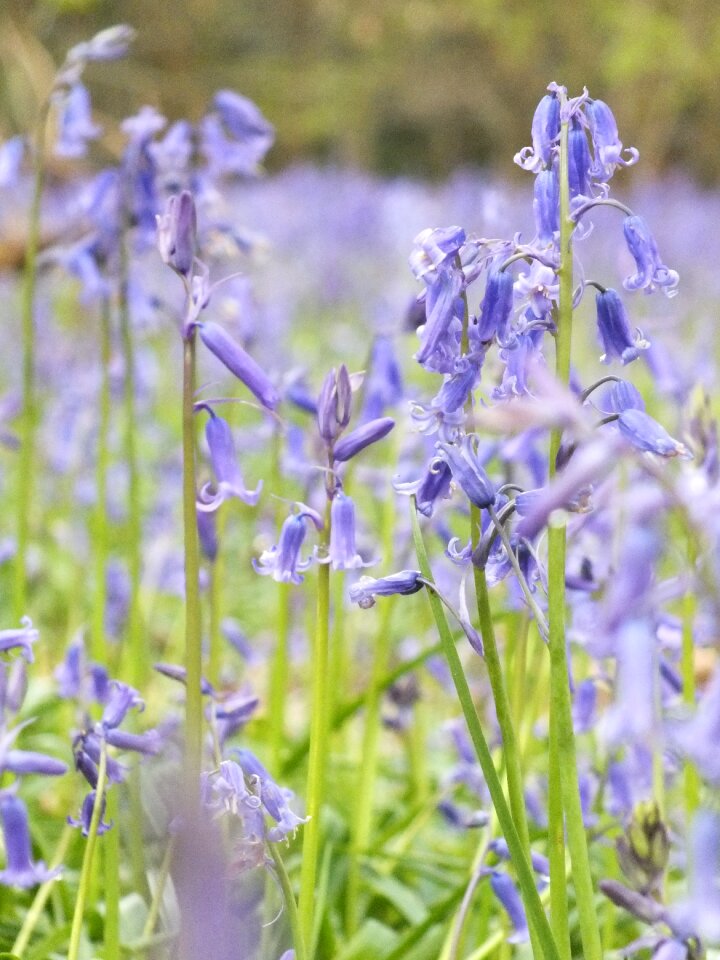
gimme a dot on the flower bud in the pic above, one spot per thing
(176, 232)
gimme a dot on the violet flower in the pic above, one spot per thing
(282, 562)
(226, 467)
(367, 588)
(496, 307)
(86, 813)
(579, 161)
(20, 870)
(236, 136)
(273, 797)
(651, 271)
(21, 639)
(342, 553)
(614, 329)
(607, 146)
(442, 307)
(177, 233)
(467, 471)
(546, 205)
(433, 485)
(504, 889)
(545, 132)
(360, 438)
(648, 435)
(75, 126)
(334, 405)
(434, 247)
(11, 158)
(239, 362)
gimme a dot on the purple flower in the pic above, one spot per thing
(177, 232)
(112, 43)
(442, 307)
(21, 639)
(504, 889)
(545, 132)
(239, 362)
(699, 916)
(651, 272)
(546, 205)
(282, 561)
(75, 122)
(614, 329)
(496, 307)
(342, 553)
(383, 385)
(631, 716)
(367, 588)
(236, 137)
(467, 471)
(11, 157)
(20, 871)
(434, 247)
(273, 797)
(207, 534)
(607, 145)
(362, 437)
(23, 762)
(432, 486)
(579, 161)
(226, 467)
(647, 435)
(698, 737)
(122, 698)
(334, 405)
(86, 813)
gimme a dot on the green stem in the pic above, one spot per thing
(536, 915)
(87, 864)
(320, 723)
(290, 905)
(29, 417)
(193, 626)
(279, 675)
(100, 522)
(563, 776)
(37, 907)
(154, 911)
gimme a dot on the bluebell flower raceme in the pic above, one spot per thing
(223, 456)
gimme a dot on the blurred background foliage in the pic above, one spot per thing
(395, 86)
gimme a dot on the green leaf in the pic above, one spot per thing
(405, 900)
(372, 941)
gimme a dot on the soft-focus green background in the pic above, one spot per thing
(396, 86)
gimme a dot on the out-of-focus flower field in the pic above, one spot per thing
(359, 546)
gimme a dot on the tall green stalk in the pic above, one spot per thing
(30, 414)
(86, 872)
(320, 721)
(193, 625)
(533, 906)
(563, 761)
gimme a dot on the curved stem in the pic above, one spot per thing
(290, 905)
(37, 907)
(193, 626)
(87, 864)
(535, 913)
(320, 721)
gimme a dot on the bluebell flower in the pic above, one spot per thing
(207, 535)
(75, 126)
(631, 716)
(24, 762)
(433, 485)
(20, 639)
(383, 387)
(334, 405)
(540, 863)
(584, 703)
(236, 136)
(367, 588)
(520, 356)
(545, 134)
(699, 915)
(651, 271)
(177, 233)
(20, 870)
(614, 329)
(698, 737)
(434, 247)
(467, 471)
(273, 797)
(506, 892)
(239, 362)
(621, 395)
(342, 553)
(282, 562)
(360, 438)
(579, 161)
(172, 156)
(648, 435)
(541, 287)
(11, 157)
(496, 307)
(607, 146)
(86, 813)
(112, 43)
(546, 205)
(223, 456)
(442, 306)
